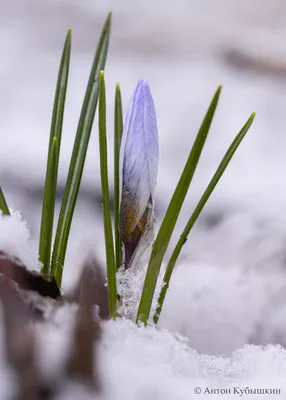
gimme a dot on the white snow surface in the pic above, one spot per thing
(218, 310)
(15, 239)
(147, 363)
(143, 363)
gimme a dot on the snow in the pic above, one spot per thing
(15, 239)
(218, 309)
(130, 285)
(147, 363)
(150, 363)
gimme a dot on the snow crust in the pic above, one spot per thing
(219, 310)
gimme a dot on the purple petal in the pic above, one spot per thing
(139, 149)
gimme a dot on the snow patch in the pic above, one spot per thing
(15, 239)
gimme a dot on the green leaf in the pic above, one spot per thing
(109, 246)
(167, 227)
(48, 209)
(118, 129)
(184, 236)
(47, 221)
(79, 153)
(3, 204)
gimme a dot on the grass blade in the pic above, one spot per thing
(109, 246)
(47, 221)
(118, 129)
(79, 153)
(3, 204)
(166, 229)
(183, 238)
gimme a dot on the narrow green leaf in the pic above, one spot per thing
(3, 204)
(118, 129)
(184, 236)
(48, 209)
(79, 153)
(166, 229)
(109, 246)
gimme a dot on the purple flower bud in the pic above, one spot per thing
(139, 165)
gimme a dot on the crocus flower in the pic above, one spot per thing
(139, 166)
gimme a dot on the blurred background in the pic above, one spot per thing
(185, 49)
